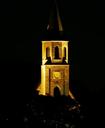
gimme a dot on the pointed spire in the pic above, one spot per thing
(55, 23)
(58, 18)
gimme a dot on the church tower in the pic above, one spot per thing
(55, 68)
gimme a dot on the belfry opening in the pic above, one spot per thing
(56, 52)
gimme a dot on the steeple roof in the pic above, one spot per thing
(55, 23)
(54, 29)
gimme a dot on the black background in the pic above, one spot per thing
(22, 25)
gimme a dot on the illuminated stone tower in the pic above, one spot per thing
(55, 68)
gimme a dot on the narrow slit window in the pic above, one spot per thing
(65, 52)
(47, 52)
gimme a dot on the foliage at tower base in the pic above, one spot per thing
(60, 112)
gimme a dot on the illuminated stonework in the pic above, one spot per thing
(55, 76)
(56, 50)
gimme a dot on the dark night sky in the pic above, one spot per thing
(22, 25)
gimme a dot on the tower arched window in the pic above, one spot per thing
(57, 52)
(47, 52)
(65, 52)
